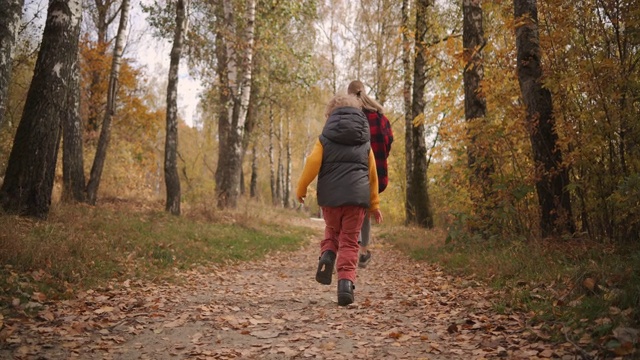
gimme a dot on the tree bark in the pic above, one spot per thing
(418, 206)
(73, 179)
(551, 174)
(105, 132)
(406, 94)
(287, 179)
(272, 162)
(253, 187)
(171, 177)
(239, 71)
(31, 168)
(10, 16)
(225, 107)
(475, 107)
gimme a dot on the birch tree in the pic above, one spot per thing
(105, 131)
(30, 172)
(73, 179)
(235, 71)
(10, 15)
(171, 177)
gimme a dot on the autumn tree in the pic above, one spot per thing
(475, 107)
(30, 172)
(418, 206)
(593, 73)
(552, 177)
(105, 131)
(102, 14)
(172, 179)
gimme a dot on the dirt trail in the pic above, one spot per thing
(274, 309)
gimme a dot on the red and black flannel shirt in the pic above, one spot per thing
(381, 139)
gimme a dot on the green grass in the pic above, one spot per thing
(543, 278)
(79, 246)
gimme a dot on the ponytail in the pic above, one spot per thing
(356, 88)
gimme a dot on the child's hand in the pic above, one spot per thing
(377, 214)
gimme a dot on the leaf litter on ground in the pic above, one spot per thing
(273, 309)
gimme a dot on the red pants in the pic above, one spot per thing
(342, 228)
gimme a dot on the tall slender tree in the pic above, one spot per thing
(552, 175)
(171, 177)
(407, 85)
(105, 131)
(30, 172)
(418, 205)
(236, 78)
(475, 108)
(10, 15)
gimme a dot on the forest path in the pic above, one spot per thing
(274, 309)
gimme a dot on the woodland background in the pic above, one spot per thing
(303, 52)
(477, 154)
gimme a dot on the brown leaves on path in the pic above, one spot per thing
(274, 309)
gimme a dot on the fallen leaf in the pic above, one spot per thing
(39, 297)
(46, 315)
(589, 284)
(103, 310)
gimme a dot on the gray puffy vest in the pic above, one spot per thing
(344, 174)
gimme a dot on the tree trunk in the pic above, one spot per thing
(418, 206)
(30, 172)
(171, 177)
(253, 187)
(225, 107)
(551, 174)
(252, 113)
(272, 162)
(73, 180)
(475, 108)
(280, 173)
(406, 94)
(105, 132)
(239, 70)
(287, 179)
(10, 16)
(102, 20)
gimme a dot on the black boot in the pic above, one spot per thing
(325, 267)
(345, 292)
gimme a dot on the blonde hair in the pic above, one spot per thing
(341, 100)
(356, 88)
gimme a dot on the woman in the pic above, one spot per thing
(381, 139)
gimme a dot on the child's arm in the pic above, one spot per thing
(310, 171)
(374, 209)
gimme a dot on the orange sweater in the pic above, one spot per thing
(312, 169)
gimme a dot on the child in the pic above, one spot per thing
(381, 140)
(347, 188)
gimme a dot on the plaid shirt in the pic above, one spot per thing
(381, 139)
